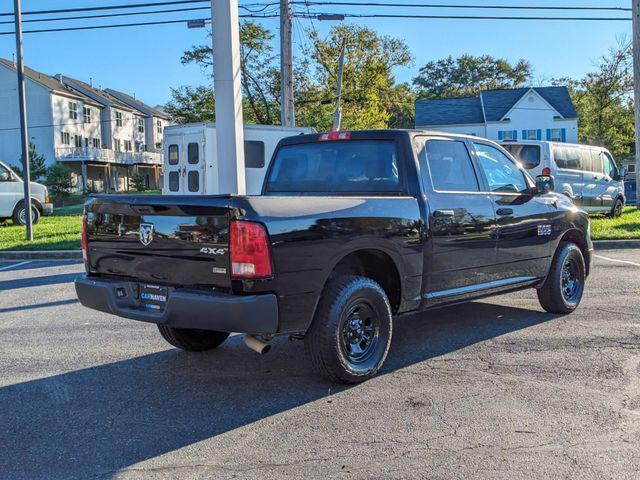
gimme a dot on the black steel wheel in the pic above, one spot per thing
(350, 335)
(563, 288)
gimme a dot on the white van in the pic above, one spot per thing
(12, 195)
(191, 163)
(585, 173)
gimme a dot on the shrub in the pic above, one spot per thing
(60, 180)
(137, 181)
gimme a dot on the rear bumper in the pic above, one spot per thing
(256, 314)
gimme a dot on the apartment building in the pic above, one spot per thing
(101, 138)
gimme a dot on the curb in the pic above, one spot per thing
(614, 244)
(42, 255)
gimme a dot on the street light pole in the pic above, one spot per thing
(636, 86)
(23, 120)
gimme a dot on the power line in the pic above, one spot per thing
(466, 17)
(483, 7)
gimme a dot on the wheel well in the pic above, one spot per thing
(34, 201)
(575, 236)
(377, 266)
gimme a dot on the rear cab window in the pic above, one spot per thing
(529, 156)
(342, 167)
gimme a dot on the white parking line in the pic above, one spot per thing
(618, 261)
(14, 265)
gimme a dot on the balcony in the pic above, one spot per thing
(89, 154)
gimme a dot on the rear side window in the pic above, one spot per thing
(253, 154)
(350, 166)
(573, 158)
(174, 181)
(193, 153)
(173, 155)
(450, 166)
(528, 155)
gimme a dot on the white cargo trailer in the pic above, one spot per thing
(191, 165)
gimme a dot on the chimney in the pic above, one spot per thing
(13, 55)
(91, 82)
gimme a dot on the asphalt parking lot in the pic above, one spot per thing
(495, 389)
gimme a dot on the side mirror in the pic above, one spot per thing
(5, 177)
(622, 173)
(545, 184)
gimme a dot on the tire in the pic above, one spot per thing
(192, 340)
(616, 210)
(350, 335)
(19, 214)
(564, 286)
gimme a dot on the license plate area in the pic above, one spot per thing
(153, 297)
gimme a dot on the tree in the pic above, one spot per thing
(37, 164)
(260, 77)
(60, 180)
(370, 95)
(137, 181)
(467, 75)
(191, 104)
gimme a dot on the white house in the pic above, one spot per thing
(537, 113)
(102, 139)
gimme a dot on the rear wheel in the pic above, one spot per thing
(192, 340)
(564, 286)
(617, 208)
(20, 214)
(350, 335)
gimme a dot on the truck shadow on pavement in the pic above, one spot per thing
(96, 421)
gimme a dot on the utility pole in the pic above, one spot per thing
(636, 86)
(22, 99)
(287, 115)
(228, 93)
(337, 113)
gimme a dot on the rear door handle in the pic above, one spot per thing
(505, 211)
(444, 213)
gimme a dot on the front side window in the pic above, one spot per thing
(502, 174)
(73, 110)
(344, 166)
(450, 167)
(609, 166)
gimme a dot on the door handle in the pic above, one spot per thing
(443, 213)
(504, 211)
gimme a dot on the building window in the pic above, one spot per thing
(127, 145)
(87, 115)
(158, 145)
(507, 135)
(116, 145)
(77, 140)
(556, 135)
(159, 126)
(631, 168)
(73, 110)
(141, 125)
(96, 143)
(64, 138)
(118, 119)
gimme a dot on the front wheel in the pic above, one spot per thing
(350, 334)
(20, 214)
(617, 208)
(192, 340)
(564, 286)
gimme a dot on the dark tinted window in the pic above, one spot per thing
(253, 154)
(450, 166)
(527, 155)
(173, 155)
(174, 181)
(349, 166)
(502, 174)
(193, 179)
(193, 153)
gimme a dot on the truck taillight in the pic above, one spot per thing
(84, 238)
(249, 247)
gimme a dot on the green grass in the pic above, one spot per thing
(626, 226)
(61, 231)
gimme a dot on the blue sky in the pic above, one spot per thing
(146, 60)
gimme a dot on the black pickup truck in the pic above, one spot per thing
(352, 230)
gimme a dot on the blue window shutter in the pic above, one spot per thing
(563, 133)
(499, 134)
(538, 134)
(548, 134)
(515, 134)
(524, 134)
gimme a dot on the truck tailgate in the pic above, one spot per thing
(181, 241)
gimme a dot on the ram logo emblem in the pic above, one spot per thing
(146, 233)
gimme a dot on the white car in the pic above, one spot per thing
(12, 198)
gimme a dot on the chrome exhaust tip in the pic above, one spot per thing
(256, 345)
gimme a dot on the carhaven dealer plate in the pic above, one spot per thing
(153, 297)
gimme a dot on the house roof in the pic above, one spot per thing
(491, 105)
(51, 83)
(137, 104)
(97, 94)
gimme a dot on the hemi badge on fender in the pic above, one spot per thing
(219, 270)
(544, 230)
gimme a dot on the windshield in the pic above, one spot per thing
(342, 167)
(527, 155)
